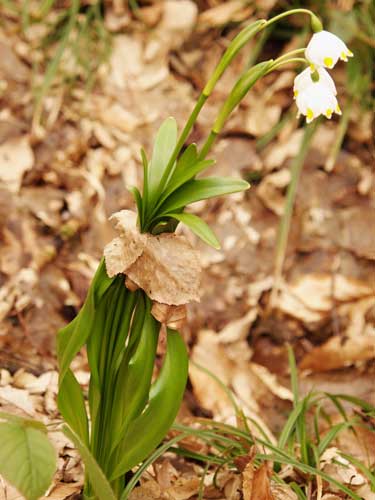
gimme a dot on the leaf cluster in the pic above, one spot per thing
(169, 188)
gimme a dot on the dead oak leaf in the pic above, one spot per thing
(166, 266)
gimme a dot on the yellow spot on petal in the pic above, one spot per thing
(328, 61)
(349, 53)
(343, 56)
(338, 110)
(295, 93)
(312, 67)
(309, 115)
(328, 113)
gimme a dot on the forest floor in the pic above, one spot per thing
(65, 161)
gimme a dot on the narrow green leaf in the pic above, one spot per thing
(71, 404)
(290, 426)
(182, 176)
(293, 374)
(138, 200)
(71, 338)
(27, 459)
(199, 227)
(202, 189)
(165, 143)
(145, 183)
(331, 435)
(134, 381)
(146, 432)
(99, 482)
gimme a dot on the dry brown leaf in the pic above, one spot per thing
(276, 154)
(261, 117)
(270, 190)
(256, 483)
(339, 352)
(345, 474)
(166, 266)
(330, 496)
(358, 231)
(365, 492)
(175, 28)
(150, 490)
(282, 492)
(183, 488)
(16, 157)
(63, 491)
(11, 67)
(239, 328)
(311, 296)
(173, 316)
(233, 10)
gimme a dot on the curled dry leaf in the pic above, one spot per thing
(256, 483)
(339, 468)
(173, 316)
(166, 266)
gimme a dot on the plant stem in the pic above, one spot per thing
(291, 12)
(341, 131)
(284, 226)
(277, 63)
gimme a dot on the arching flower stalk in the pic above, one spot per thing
(148, 276)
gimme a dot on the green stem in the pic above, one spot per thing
(240, 89)
(340, 134)
(283, 232)
(314, 18)
(286, 61)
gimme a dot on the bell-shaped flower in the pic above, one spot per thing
(315, 100)
(306, 79)
(325, 49)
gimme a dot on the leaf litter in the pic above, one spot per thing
(59, 186)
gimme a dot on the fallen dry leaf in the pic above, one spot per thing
(166, 266)
(16, 157)
(339, 352)
(256, 482)
(233, 10)
(282, 492)
(333, 464)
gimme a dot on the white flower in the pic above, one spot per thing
(325, 48)
(305, 80)
(316, 100)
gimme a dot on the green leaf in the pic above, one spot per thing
(138, 200)
(26, 422)
(202, 189)
(71, 338)
(182, 176)
(99, 482)
(134, 378)
(148, 430)
(145, 183)
(69, 341)
(71, 404)
(199, 227)
(27, 459)
(165, 143)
